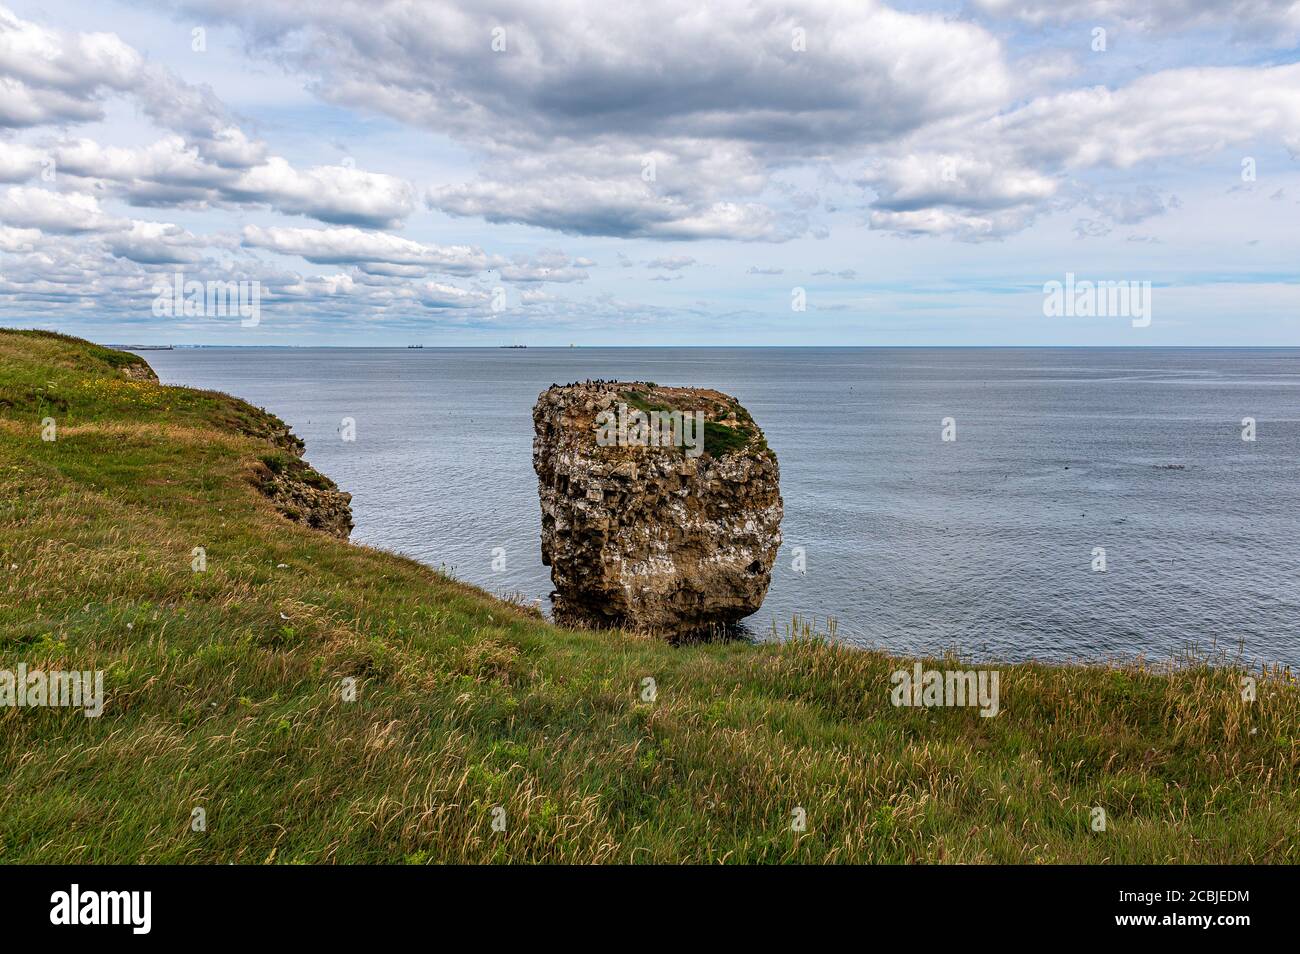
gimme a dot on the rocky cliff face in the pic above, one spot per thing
(299, 491)
(139, 372)
(307, 496)
(661, 507)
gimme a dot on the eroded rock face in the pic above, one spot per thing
(299, 491)
(306, 496)
(140, 372)
(676, 539)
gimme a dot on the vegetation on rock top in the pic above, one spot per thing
(720, 439)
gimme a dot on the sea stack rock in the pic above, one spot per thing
(661, 506)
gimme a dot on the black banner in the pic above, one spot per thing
(144, 904)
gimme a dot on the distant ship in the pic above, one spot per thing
(415, 346)
(512, 346)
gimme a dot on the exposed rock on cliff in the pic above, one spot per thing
(299, 491)
(661, 507)
(139, 372)
(304, 495)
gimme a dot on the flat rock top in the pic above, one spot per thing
(728, 427)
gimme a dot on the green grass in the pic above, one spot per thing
(719, 439)
(223, 693)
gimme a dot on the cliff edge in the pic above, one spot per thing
(72, 384)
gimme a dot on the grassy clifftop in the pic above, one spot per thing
(223, 692)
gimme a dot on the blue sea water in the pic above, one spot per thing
(985, 544)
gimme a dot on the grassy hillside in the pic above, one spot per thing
(224, 693)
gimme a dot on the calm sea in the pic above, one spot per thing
(986, 544)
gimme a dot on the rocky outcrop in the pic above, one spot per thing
(306, 496)
(299, 492)
(661, 507)
(140, 371)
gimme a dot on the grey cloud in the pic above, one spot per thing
(1130, 208)
(671, 263)
(987, 178)
(51, 76)
(56, 212)
(922, 181)
(728, 71)
(345, 246)
(567, 117)
(19, 162)
(1091, 228)
(626, 209)
(1275, 19)
(382, 254)
(156, 243)
(18, 240)
(527, 272)
(48, 76)
(173, 171)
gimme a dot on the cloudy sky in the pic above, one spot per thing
(596, 172)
